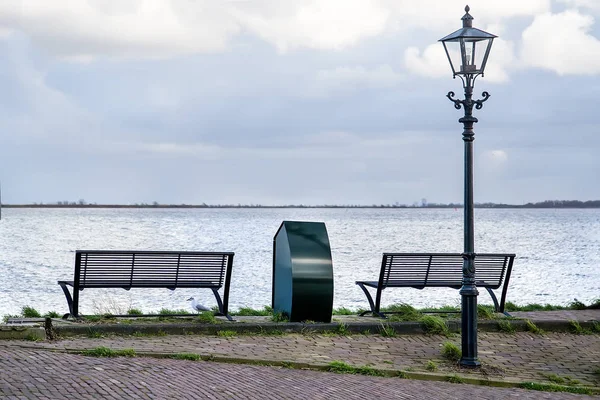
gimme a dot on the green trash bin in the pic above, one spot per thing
(302, 272)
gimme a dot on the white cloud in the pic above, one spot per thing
(331, 24)
(593, 5)
(83, 30)
(561, 43)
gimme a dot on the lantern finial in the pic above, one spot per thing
(467, 19)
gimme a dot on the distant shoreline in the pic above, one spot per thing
(546, 204)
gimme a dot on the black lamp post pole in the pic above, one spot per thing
(468, 290)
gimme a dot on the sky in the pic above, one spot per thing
(293, 102)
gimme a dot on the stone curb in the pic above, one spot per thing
(400, 328)
(390, 373)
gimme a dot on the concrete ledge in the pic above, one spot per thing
(22, 332)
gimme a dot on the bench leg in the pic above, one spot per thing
(220, 304)
(496, 305)
(374, 310)
(69, 300)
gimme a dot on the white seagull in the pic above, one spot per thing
(197, 306)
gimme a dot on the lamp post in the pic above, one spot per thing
(468, 49)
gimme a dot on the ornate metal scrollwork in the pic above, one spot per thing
(457, 103)
(479, 103)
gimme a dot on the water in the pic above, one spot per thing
(558, 252)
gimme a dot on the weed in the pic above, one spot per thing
(555, 379)
(533, 328)
(434, 325)
(343, 311)
(442, 309)
(287, 364)
(207, 317)
(342, 329)
(134, 311)
(577, 305)
(577, 328)
(454, 379)
(251, 312)
(52, 314)
(226, 333)
(94, 334)
(403, 312)
(596, 327)
(401, 375)
(533, 307)
(32, 338)
(343, 368)
(366, 332)
(186, 356)
(388, 362)
(506, 326)
(552, 387)
(106, 352)
(485, 312)
(451, 352)
(92, 318)
(30, 312)
(386, 330)
(166, 311)
(280, 317)
(431, 366)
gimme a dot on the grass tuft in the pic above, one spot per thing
(343, 368)
(451, 352)
(533, 328)
(52, 314)
(434, 325)
(386, 331)
(506, 326)
(485, 312)
(106, 352)
(226, 333)
(402, 312)
(186, 356)
(343, 311)
(431, 366)
(552, 387)
(280, 317)
(134, 311)
(251, 312)
(30, 312)
(454, 379)
(206, 317)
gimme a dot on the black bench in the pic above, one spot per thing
(150, 269)
(421, 270)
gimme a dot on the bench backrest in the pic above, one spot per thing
(441, 269)
(160, 269)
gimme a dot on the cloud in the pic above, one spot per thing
(83, 30)
(592, 5)
(561, 43)
(332, 24)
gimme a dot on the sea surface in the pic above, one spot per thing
(558, 252)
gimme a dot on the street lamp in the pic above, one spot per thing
(468, 49)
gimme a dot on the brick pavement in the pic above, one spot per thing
(522, 356)
(41, 374)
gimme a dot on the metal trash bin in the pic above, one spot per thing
(302, 272)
